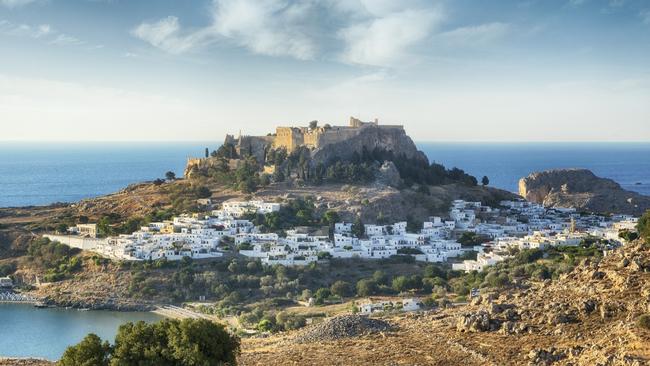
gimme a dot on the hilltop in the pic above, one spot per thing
(583, 190)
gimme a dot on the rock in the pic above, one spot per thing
(508, 328)
(545, 357)
(582, 190)
(474, 322)
(624, 263)
(588, 306)
(389, 175)
(344, 326)
(560, 318)
(494, 308)
(637, 266)
(597, 275)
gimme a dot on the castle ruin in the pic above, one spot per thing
(343, 140)
(316, 137)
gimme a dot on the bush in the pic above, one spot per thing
(366, 287)
(173, 342)
(89, 352)
(341, 289)
(643, 227)
(644, 321)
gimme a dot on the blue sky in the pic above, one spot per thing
(535, 70)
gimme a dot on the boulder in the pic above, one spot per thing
(474, 322)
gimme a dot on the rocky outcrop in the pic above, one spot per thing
(370, 137)
(389, 175)
(582, 190)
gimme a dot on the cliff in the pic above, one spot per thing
(582, 190)
(370, 137)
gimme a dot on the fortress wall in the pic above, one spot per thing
(288, 138)
(337, 134)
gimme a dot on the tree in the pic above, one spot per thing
(173, 342)
(401, 283)
(380, 277)
(358, 229)
(89, 352)
(207, 152)
(470, 239)
(485, 181)
(313, 124)
(170, 175)
(366, 287)
(341, 289)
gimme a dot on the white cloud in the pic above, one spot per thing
(475, 35)
(267, 27)
(385, 40)
(43, 32)
(15, 3)
(25, 30)
(166, 34)
(370, 32)
(66, 40)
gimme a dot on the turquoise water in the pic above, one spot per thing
(39, 173)
(26, 331)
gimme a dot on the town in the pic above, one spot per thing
(471, 228)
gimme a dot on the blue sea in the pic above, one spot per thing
(45, 333)
(43, 173)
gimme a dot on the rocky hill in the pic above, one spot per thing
(583, 190)
(586, 317)
(369, 138)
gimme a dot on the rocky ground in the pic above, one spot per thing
(24, 362)
(587, 317)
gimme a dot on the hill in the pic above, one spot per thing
(586, 317)
(583, 190)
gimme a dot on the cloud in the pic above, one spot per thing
(167, 35)
(15, 3)
(384, 41)
(25, 30)
(66, 40)
(475, 35)
(369, 32)
(267, 27)
(44, 32)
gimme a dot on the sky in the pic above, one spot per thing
(448, 70)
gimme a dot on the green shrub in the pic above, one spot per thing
(89, 352)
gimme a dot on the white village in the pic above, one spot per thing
(515, 224)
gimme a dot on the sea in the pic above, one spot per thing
(44, 173)
(26, 331)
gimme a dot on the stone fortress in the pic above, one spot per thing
(316, 137)
(324, 142)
